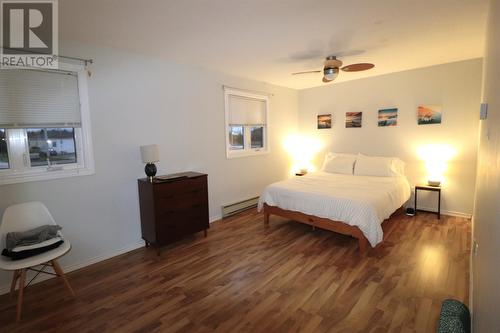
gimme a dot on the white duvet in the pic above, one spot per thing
(362, 201)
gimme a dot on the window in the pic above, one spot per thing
(246, 123)
(43, 148)
(44, 124)
(236, 137)
(257, 137)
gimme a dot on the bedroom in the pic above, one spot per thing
(159, 73)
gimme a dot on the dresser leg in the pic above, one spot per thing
(158, 251)
(206, 233)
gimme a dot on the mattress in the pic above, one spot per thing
(361, 201)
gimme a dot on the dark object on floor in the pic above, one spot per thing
(410, 211)
(30, 237)
(30, 253)
(454, 317)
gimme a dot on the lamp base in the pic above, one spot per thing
(150, 170)
(433, 183)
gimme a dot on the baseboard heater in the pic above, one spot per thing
(236, 207)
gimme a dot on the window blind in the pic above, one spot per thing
(246, 111)
(31, 98)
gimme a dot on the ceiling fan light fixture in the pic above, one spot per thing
(330, 74)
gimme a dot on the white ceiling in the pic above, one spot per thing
(267, 40)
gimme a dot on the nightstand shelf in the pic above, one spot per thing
(432, 189)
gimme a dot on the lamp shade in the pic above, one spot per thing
(150, 153)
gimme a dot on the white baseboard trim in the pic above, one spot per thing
(73, 267)
(215, 218)
(457, 214)
(448, 212)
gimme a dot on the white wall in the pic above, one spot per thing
(455, 86)
(136, 100)
(486, 222)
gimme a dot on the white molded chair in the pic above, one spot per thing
(23, 217)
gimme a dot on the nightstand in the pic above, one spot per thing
(428, 188)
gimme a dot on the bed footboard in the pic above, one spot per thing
(320, 222)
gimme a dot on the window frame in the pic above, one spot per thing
(247, 149)
(20, 169)
(8, 153)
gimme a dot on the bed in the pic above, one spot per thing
(350, 203)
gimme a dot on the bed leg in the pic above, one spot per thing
(266, 217)
(363, 246)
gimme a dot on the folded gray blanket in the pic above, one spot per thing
(30, 237)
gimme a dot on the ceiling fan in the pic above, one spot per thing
(332, 67)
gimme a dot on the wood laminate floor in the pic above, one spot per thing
(248, 278)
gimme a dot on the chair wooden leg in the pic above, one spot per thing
(15, 276)
(22, 282)
(60, 273)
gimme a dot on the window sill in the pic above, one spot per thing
(32, 176)
(238, 154)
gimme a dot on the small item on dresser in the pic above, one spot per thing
(167, 178)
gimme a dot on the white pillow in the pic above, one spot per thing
(330, 156)
(398, 167)
(374, 166)
(339, 163)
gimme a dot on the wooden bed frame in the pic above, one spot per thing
(319, 222)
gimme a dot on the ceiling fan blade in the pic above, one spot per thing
(306, 72)
(326, 80)
(357, 67)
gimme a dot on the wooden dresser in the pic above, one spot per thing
(174, 208)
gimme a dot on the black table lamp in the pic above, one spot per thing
(149, 155)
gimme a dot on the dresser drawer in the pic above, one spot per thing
(172, 225)
(181, 201)
(174, 188)
(186, 215)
